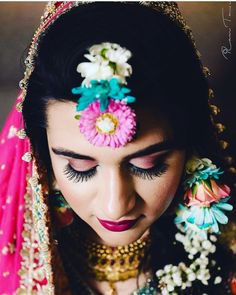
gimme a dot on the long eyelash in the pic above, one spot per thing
(77, 176)
(151, 173)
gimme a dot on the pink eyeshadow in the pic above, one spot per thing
(146, 162)
(82, 165)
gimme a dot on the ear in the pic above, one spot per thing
(55, 185)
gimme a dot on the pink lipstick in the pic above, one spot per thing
(118, 226)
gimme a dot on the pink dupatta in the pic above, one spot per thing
(25, 256)
(13, 173)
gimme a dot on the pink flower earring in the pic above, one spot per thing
(205, 199)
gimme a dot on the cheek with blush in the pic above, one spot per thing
(159, 193)
(80, 197)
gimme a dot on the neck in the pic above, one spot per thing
(108, 263)
(105, 267)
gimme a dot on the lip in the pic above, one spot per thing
(118, 226)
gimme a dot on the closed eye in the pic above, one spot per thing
(79, 176)
(147, 174)
(151, 166)
(150, 173)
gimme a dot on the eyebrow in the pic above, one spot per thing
(158, 147)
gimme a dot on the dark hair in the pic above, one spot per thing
(167, 73)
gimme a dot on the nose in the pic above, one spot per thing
(117, 196)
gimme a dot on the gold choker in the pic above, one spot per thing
(113, 264)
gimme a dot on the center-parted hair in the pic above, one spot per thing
(167, 73)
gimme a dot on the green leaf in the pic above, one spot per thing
(208, 183)
(103, 53)
(194, 189)
(77, 117)
(112, 65)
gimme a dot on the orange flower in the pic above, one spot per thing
(233, 284)
(64, 216)
(205, 193)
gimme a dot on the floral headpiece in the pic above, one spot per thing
(104, 117)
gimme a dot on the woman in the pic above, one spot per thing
(118, 136)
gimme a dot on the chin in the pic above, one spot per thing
(115, 239)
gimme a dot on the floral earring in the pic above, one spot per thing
(205, 198)
(63, 213)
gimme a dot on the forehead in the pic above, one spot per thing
(63, 132)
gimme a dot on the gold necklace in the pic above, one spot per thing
(107, 263)
(113, 264)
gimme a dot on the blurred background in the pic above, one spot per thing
(213, 25)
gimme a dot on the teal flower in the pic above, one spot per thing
(204, 218)
(103, 91)
(199, 175)
(58, 201)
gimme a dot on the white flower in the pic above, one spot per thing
(188, 284)
(123, 70)
(206, 245)
(204, 276)
(170, 288)
(217, 280)
(160, 272)
(166, 278)
(195, 164)
(97, 48)
(193, 251)
(107, 61)
(213, 249)
(213, 262)
(99, 70)
(192, 277)
(182, 266)
(174, 268)
(190, 256)
(213, 238)
(177, 279)
(119, 56)
(164, 291)
(183, 275)
(167, 268)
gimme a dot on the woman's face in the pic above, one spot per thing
(134, 184)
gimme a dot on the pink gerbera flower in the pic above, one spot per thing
(114, 127)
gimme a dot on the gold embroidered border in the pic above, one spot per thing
(35, 253)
